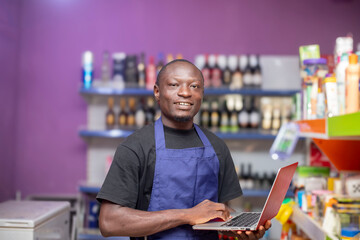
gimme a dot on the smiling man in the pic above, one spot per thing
(172, 174)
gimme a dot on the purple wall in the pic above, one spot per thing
(50, 157)
(9, 49)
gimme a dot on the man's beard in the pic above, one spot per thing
(182, 119)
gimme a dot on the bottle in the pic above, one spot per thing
(119, 69)
(150, 74)
(352, 84)
(223, 61)
(131, 71)
(254, 114)
(87, 69)
(244, 116)
(140, 115)
(214, 116)
(237, 77)
(149, 111)
(276, 119)
(256, 71)
(160, 63)
(141, 71)
(110, 114)
(130, 121)
(205, 115)
(242, 177)
(340, 72)
(247, 74)
(249, 180)
(206, 71)
(232, 65)
(122, 117)
(105, 68)
(224, 118)
(233, 114)
(216, 73)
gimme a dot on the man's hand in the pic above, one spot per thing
(250, 235)
(206, 211)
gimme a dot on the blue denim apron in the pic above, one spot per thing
(182, 179)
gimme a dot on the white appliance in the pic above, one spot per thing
(34, 220)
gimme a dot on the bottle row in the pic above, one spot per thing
(121, 70)
(234, 72)
(131, 114)
(255, 180)
(228, 113)
(326, 93)
(234, 112)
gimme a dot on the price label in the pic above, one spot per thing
(285, 141)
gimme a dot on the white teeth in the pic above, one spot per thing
(185, 104)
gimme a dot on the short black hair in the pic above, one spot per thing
(163, 69)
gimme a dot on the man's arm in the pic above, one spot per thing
(116, 220)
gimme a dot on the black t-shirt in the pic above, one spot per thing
(130, 178)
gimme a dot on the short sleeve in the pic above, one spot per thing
(122, 181)
(229, 187)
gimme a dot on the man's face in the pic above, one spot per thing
(179, 94)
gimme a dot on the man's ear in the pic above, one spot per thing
(156, 93)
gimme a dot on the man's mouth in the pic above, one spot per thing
(183, 103)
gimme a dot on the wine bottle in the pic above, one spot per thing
(224, 118)
(236, 76)
(140, 114)
(214, 116)
(206, 71)
(216, 73)
(130, 121)
(149, 111)
(247, 74)
(122, 116)
(257, 74)
(131, 77)
(141, 71)
(205, 115)
(110, 114)
(150, 74)
(224, 65)
(105, 68)
(254, 114)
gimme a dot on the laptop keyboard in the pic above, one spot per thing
(243, 220)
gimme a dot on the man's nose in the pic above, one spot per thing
(184, 91)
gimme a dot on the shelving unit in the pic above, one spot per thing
(118, 133)
(209, 91)
(338, 137)
(311, 227)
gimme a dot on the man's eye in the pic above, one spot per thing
(172, 84)
(195, 86)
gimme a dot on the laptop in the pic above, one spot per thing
(252, 220)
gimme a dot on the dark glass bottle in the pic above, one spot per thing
(214, 116)
(110, 114)
(247, 75)
(141, 71)
(130, 121)
(122, 117)
(205, 115)
(206, 71)
(255, 116)
(216, 74)
(131, 71)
